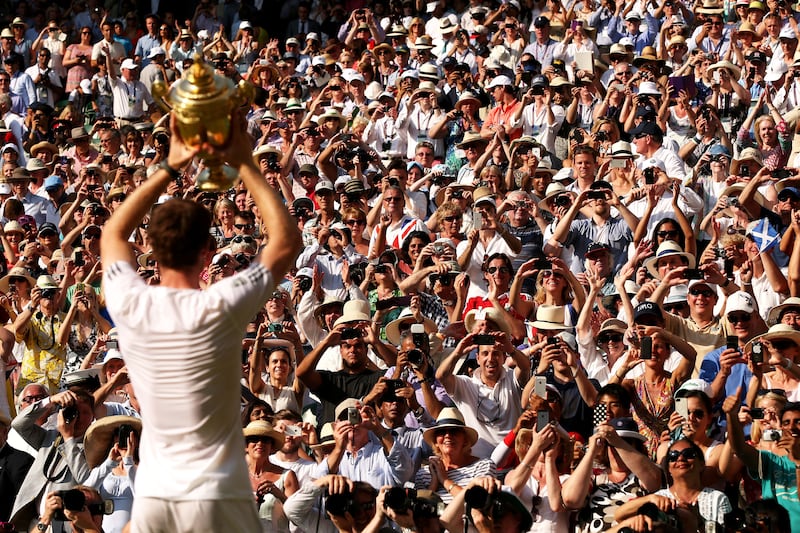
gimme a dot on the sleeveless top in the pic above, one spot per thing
(280, 524)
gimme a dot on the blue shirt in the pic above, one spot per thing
(779, 481)
(740, 377)
(143, 46)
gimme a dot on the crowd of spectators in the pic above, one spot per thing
(550, 274)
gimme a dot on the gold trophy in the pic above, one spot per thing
(203, 102)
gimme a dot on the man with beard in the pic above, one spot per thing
(294, 430)
(355, 379)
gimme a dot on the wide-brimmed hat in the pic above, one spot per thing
(46, 281)
(735, 190)
(484, 195)
(487, 313)
(748, 154)
(554, 189)
(711, 7)
(450, 417)
(274, 74)
(778, 331)
(16, 272)
(735, 71)
(44, 145)
(332, 113)
(19, 174)
(471, 137)
(326, 438)
(648, 55)
(383, 47)
(354, 311)
(560, 81)
(78, 133)
(262, 428)
(775, 313)
(406, 316)
(612, 324)
(440, 193)
(550, 317)
(666, 249)
(397, 30)
(423, 42)
(100, 436)
(467, 98)
(622, 150)
(330, 301)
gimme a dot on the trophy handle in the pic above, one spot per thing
(245, 93)
(159, 90)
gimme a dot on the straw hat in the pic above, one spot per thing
(262, 428)
(735, 71)
(667, 249)
(778, 331)
(467, 98)
(471, 137)
(330, 301)
(16, 272)
(354, 311)
(550, 317)
(553, 190)
(487, 313)
(648, 55)
(450, 417)
(406, 317)
(735, 190)
(100, 436)
(775, 312)
(326, 439)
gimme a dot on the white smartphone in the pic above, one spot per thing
(540, 386)
(617, 163)
(477, 220)
(682, 407)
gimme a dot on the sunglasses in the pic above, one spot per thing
(782, 344)
(392, 199)
(738, 318)
(503, 270)
(452, 218)
(255, 439)
(444, 279)
(779, 392)
(34, 398)
(697, 413)
(666, 234)
(247, 239)
(92, 236)
(733, 231)
(671, 308)
(551, 274)
(243, 226)
(708, 293)
(688, 454)
(609, 338)
(335, 87)
(336, 235)
(354, 222)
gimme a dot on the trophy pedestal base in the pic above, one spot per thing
(217, 178)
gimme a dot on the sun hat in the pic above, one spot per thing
(550, 317)
(487, 313)
(666, 249)
(354, 311)
(775, 313)
(16, 272)
(325, 438)
(100, 436)
(471, 137)
(406, 316)
(262, 428)
(778, 331)
(450, 417)
(553, 189)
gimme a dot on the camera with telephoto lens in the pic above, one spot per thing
(73, 500)
(400, 499)
(362, 155)
(601, 136)
(562, 200)
(415, 357)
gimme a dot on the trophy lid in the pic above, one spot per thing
(199, 82)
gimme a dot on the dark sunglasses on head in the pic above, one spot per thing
(451, 218)
(779, 392)
(688, 454)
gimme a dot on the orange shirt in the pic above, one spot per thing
(502, 114)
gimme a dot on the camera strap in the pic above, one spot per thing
(52, 460)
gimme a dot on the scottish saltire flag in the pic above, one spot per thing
(764, 235)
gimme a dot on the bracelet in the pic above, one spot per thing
(697, 140)
(526, 466)
(174, 174)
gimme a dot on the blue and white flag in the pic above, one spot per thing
(764, 235)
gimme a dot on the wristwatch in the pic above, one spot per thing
(174, 174)
(42, 527)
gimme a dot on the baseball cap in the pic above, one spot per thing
(739, 301)
(647, 309)
(324, 185)
(541, 22)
